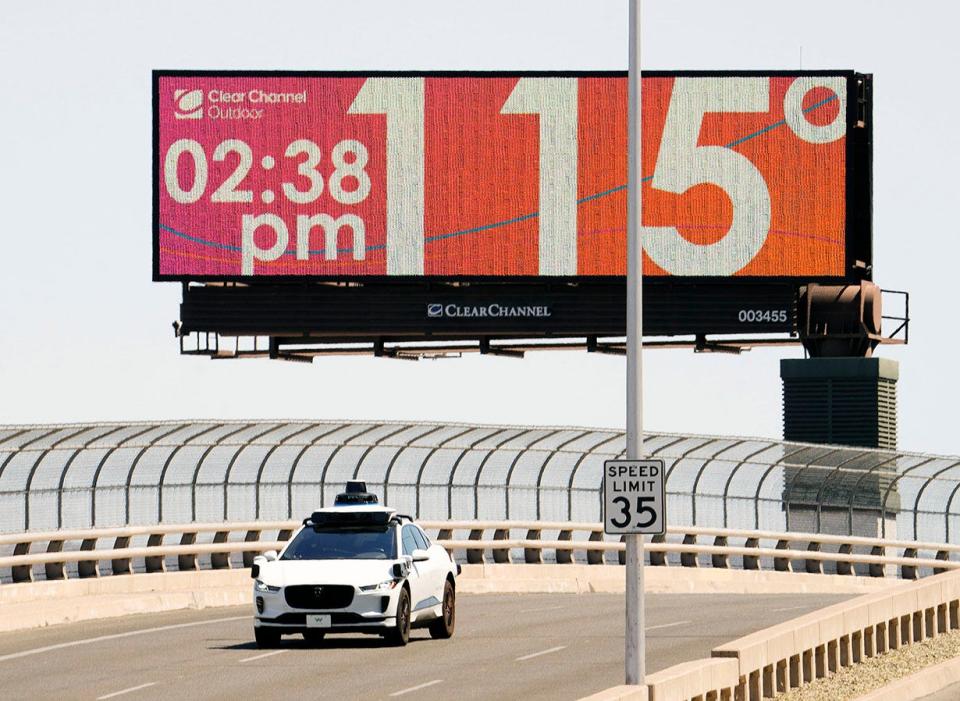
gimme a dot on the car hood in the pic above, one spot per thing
(284, 573)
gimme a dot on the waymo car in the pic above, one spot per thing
(357, 567)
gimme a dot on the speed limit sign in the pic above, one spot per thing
(634, 497)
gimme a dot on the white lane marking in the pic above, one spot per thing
(542, 652)
(266, 654)
(116, 636)
(667, 625)
(788, 608)
(416, 688)
(125, 691)
(548, 608)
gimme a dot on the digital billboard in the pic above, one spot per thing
(507, 177)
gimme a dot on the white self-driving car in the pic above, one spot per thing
(355, 568)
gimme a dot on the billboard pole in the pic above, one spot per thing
(635, 639)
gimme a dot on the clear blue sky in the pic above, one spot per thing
(86, 335)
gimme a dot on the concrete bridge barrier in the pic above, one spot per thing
(789, 655)
(150, 549)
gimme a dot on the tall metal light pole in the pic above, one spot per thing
(635, 639)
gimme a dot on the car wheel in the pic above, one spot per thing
(266, 638)
(313, 637)
(443, 626)
(400, 635)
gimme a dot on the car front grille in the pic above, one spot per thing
(319, 596)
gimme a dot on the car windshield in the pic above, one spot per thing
(343, 544)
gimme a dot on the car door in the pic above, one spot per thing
(420, 588)
(435, 569)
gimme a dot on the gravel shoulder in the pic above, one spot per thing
(853, 682)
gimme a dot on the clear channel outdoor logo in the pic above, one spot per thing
(488, 311)
(217, 103)
(188, 104)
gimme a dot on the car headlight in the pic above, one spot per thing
(260, 586)
(382, 586)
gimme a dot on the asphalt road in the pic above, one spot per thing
(518, 646)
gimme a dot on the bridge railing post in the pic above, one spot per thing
(844, 566)
(565, 557)
(220, 561)
(155, 563)
(814, 566)
(475, 555)
(906, 571)
(121, 565)
(88, 568)
(658, 558)
(22, 573)
(751, 562)
(875, 569)
(594, 557)
(252, 536)
(941, 555)
(187, 562)
(534, 556)
(782, 564)
(720, 560)
(55, 570)
(501, 555)
(690, 559)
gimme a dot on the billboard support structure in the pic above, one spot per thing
(635, 638)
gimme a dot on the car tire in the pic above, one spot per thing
(266, 638)
(443, 627)
(313, 637)
(400, 634)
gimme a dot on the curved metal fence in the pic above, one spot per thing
(94, 475)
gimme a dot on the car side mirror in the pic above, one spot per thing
(420, 555)
(270, 555)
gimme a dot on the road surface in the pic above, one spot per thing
(517, 646)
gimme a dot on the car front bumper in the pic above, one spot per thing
(368, 612)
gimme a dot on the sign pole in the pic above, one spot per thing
(635, 639)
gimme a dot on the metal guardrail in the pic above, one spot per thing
(790, 552)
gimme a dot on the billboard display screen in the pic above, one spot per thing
(494, 176)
